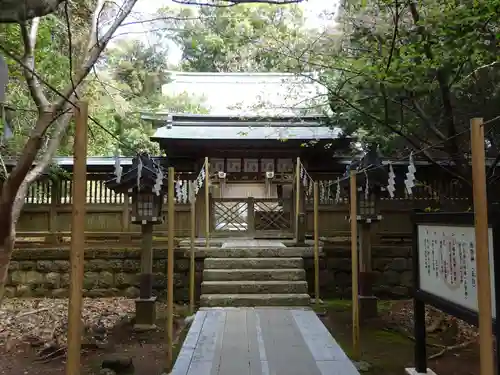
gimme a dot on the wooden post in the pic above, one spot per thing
(367, 301)
(251, 216)
(54, 202)
(482, 252)
(297, 198)
(354, 267)
(316, 243)
(77, 239)
(207, 204)
(170, 268)
(126, 214)
(145, 305)
(192, 265)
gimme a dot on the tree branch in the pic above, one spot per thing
(443, 81)
(426, 120)
(42, 164)
(394, 37)
(17, 11)
(29, 42)
(230, 3)
(46, 118)
(97, 45)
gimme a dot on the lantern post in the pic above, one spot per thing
(144, 184)
(370, 180)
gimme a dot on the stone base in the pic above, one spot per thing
(145, 313)
(413, 371)
(367, 307)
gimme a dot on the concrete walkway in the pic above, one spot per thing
(260, 341)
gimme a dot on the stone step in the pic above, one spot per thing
(253, 287)
(285, 274)
(251, 300)
(253, 263)
(256, 252)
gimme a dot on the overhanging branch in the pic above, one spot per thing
(18, 11)
(29, 41)
(230, 3)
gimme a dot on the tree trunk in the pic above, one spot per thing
(5, 255)
(10, 209)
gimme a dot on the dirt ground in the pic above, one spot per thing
(386, 342)
(387, 345)
(147, 350)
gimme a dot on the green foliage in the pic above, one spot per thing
(131, 82)
(243, 38)
(412, 74)
(127, 81)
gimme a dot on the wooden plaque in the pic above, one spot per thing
(267, 165)
(285, 165)
(217, 165)
(251, 165)
(234, 165)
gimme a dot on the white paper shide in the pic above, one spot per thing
(447, 264)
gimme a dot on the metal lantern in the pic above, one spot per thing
(368, 204)
(146, 208)
(144, 183)
(370, 181)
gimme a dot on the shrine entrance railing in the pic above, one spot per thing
(229, 216)
(251, 216)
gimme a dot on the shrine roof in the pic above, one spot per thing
(184, 126)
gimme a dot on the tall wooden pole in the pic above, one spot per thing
(77, 239)
(192, 265)
(207, 204)
(354, 267)
(297, 197)
(170, 268)
(316, 243)
(482, 253)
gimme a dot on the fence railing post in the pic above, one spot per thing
(207, 203)
(250, 216)
(53, 216)
(316, 242)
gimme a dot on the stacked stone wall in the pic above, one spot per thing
(45, 272)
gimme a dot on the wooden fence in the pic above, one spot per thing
(46, 216)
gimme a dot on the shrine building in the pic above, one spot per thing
(252, 164)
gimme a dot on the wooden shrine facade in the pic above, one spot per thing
(251, 164)
(242, 151)
(245, 163)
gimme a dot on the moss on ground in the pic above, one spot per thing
(386, 351)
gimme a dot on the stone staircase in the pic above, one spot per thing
(254, 277)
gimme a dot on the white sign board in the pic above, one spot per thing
(447, 264)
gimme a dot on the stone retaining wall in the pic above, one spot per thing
(392, 266)
(45, 272)
(107, 273)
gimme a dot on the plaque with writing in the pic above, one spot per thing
(251, 165)
(234, 165)
(267, 165)
(285, 165)
(217, 165)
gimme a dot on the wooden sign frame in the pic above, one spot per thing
(422, 297)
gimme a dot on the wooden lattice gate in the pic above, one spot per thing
(250, 217)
